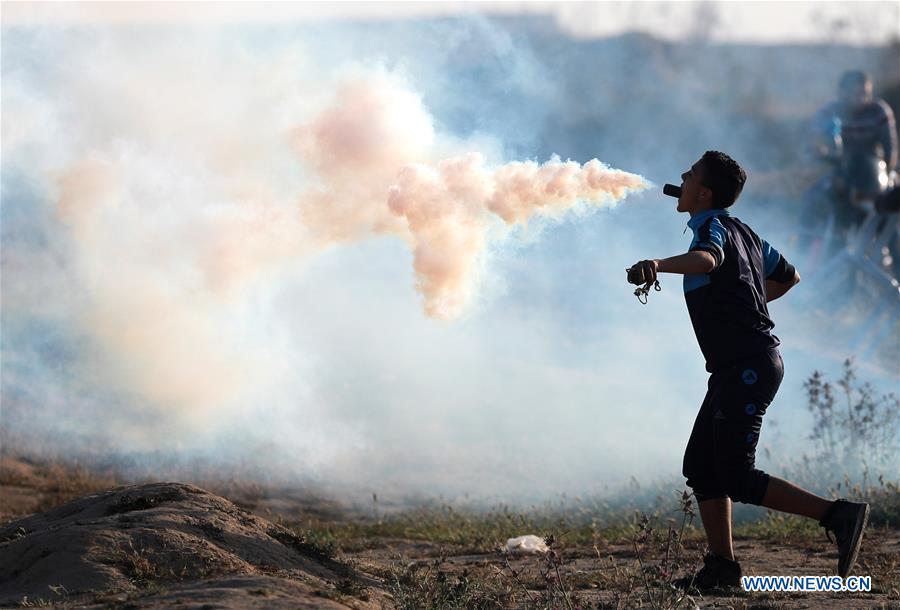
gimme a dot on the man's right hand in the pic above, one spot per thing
(643, 273)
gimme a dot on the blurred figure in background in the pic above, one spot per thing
(856, 136)
(856, 123)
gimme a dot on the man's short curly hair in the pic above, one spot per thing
(723, 176)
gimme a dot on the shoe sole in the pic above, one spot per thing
(856, 541)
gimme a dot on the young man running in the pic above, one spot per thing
(729, 275)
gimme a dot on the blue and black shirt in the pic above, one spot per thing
(728, 305)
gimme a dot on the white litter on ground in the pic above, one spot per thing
(526, 544)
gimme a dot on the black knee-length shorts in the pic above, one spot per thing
(720, 458)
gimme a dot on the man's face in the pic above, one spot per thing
(694, 196)
(855, 95)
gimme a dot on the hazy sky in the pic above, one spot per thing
(849, 22)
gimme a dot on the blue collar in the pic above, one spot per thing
(698, 219)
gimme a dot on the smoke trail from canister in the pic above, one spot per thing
(448, 209)
(370, 149)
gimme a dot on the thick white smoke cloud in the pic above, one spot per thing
(183, 182)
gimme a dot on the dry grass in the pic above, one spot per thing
(140, 565)
(50, 483)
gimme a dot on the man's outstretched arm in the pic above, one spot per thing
(776, 290)
(696, 261)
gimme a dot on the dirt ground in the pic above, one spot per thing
(171, 545)
(591, 569)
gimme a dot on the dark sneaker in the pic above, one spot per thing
(716, 573)
(847, 520)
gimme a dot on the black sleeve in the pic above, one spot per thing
(783, 272)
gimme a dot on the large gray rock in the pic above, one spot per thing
(158, 538)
